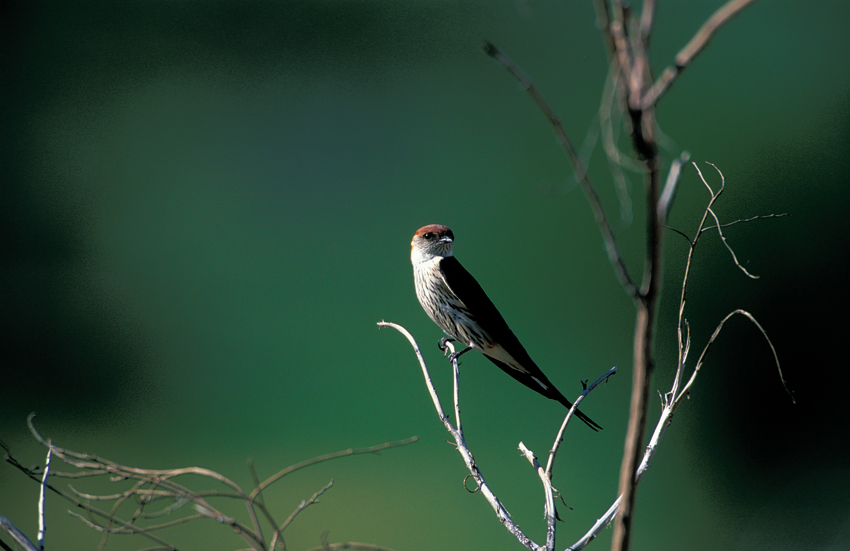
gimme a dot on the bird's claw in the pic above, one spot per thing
(443, 342)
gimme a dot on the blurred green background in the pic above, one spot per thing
(207, 206)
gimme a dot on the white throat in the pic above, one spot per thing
(419, 255)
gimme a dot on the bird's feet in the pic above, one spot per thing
(455, 355)
(443, 341)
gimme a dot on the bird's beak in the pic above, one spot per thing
(446, 239)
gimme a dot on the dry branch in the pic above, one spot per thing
(153, 485)
(582, 177)
(675, 396)
(460, 442)
(696, 45)
(501, 513)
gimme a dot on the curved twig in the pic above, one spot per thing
(280, 474)
(501, 513)
(560, 437)
(614, 255)
(687, 54)
(162, 485)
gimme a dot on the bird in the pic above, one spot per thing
(455, 301)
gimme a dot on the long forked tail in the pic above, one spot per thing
(578, 413)
(534, 379)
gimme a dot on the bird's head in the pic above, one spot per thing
(429, 242)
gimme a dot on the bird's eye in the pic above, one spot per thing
(429, 236)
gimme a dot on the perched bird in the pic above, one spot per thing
(457, 303)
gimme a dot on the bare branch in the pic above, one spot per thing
(671, 401)
(582, 177)
(718, 226)
(716, 332)
(560, 437)
(350, 545)
(17, 535)
(501, 513)
(41, 525)
(239, 528)
(687, 54)
(153, 485)
(729, 248)
(291, 469)
(610, 125)
(121, 530)
(255, 479)
(545, 474)
(647, 17)
(76, 502)
(674, 397)
(304, 504)
(670, 186)
(549, 496)
(751, 219)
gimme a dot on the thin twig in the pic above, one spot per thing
(122, 530)
(687, 54)
(460, 443)
(683, 297)
(545, 474)
(162, 486)
(752, 218)
(670, 186)
(42, 527)
(614, 255)
(610, 125)
(714, 335)
(17, 535)
(343, 453)
(455, 387)
(675, 397)
(548, 493)
(647, 18)
(255, 479)
(349, 545)
(76, 502)
(671, 401)
(609, 515)
(718, 226)
(304, 504)
(237, 526)
(560, 437)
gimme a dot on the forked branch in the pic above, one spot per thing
(696, 45)
(457, 433)
(158, 494)
(614, 255)
(671, 400)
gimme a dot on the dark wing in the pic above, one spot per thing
(467, 289)
(464, 286)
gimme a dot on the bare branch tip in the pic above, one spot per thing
(489, 48)
(33, 431)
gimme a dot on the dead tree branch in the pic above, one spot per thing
(671, 400)
(696, 45)
(628, 39)
(460, 442)
(582, 177)
(160, 490)
(501, 513)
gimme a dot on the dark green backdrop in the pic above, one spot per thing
(207, 206)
